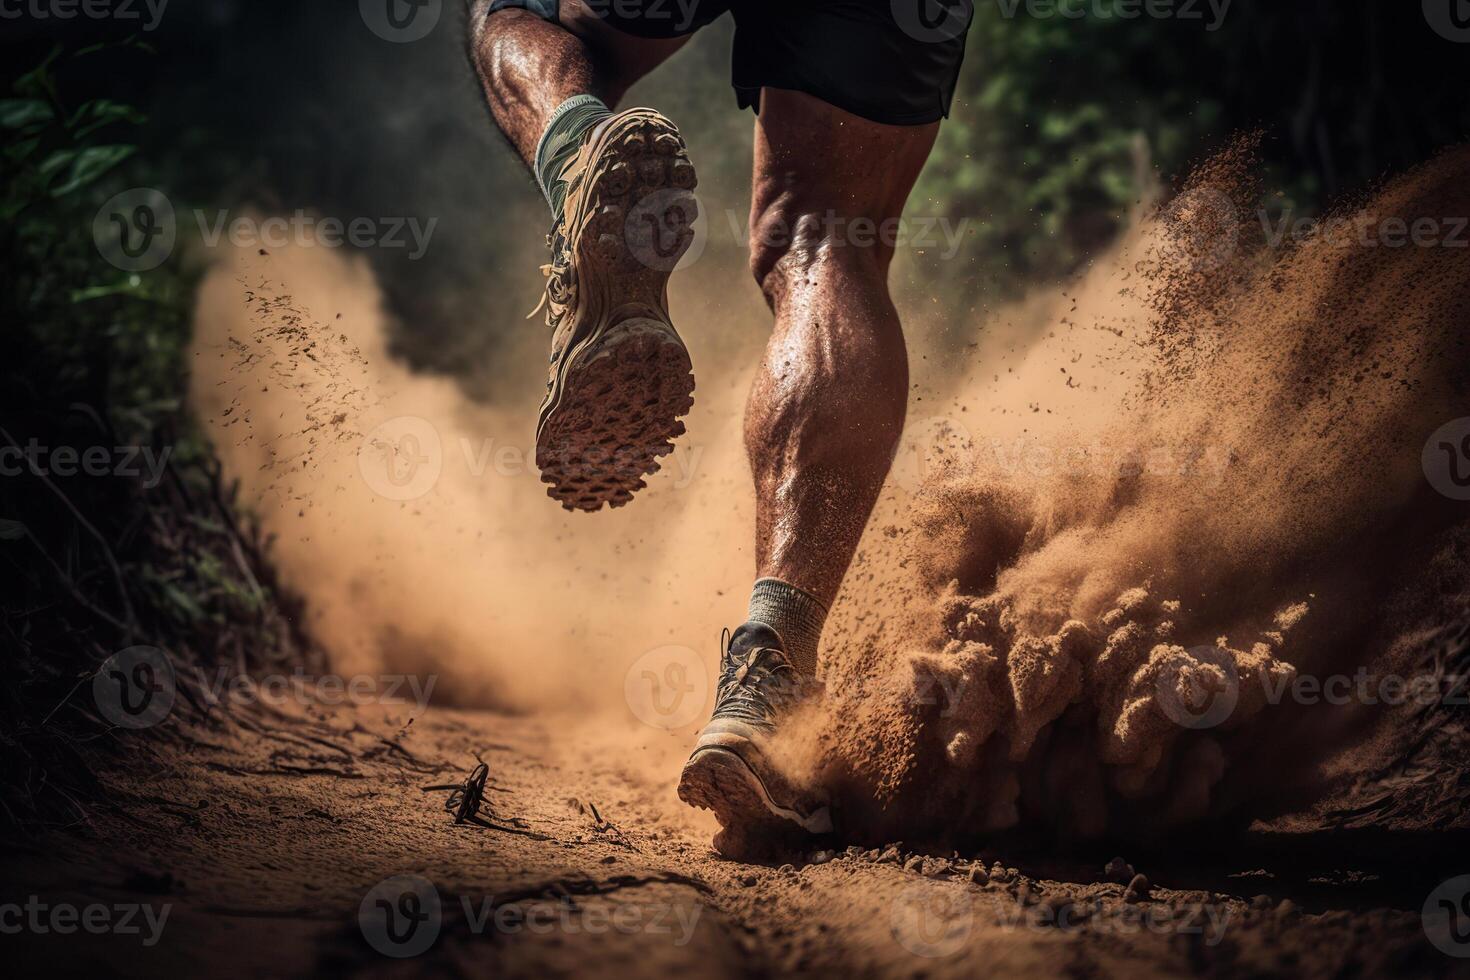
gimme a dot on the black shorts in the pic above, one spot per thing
(891, 61)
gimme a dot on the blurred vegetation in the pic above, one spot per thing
(150, 551)
(1062, 124)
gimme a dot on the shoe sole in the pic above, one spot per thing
(718, 779)
(625, 379)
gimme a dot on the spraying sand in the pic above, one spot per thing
(1203, 484)
(1183, 483)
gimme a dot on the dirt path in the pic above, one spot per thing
(266, 836)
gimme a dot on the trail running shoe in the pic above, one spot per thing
(729, 772)
(620, 375)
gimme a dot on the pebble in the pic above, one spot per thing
(1119, 870)
(1137, 889)
(749, 881)
(979, 875)
(822, 857)
(915, 863)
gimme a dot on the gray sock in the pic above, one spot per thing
(795, 614)
(560, 142)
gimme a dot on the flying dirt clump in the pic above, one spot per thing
(1218, 493)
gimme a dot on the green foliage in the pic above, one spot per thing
(1056, 127)
(93, 334)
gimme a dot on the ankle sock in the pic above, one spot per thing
(795, 614)
(560, 142)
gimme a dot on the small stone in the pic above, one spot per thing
(1119, 870)
(787, 869)
(749, 881)
(979, 875)
(890, 856)
(915, 863)
(821, 857)
(1137, 889)
(853, 851)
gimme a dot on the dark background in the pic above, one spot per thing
(297, 104)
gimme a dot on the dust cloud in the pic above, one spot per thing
(1199, 488)
(413, 521)
(1185, 481)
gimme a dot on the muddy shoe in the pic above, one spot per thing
(729, 772)
(620, 375)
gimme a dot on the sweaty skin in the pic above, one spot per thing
(827, 407)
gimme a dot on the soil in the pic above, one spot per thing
(1063, 610)
(263, 830)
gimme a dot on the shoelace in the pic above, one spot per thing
(755, 686)
(558, 289)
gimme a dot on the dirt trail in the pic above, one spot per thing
(410, 519)
(265, 832)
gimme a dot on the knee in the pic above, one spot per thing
(792, 243)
